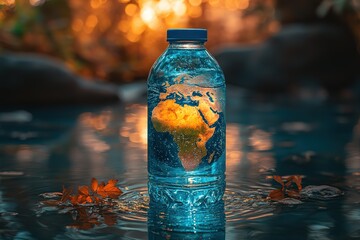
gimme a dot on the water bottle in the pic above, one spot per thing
(186, 123)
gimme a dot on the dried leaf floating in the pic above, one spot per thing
(84, 219)
(279, 180)
(277, 194)
(297, 180)
(286, 190)
(91, 205)
(95, 193)
(94, 184)
(66, 193)
(52, 203)
(109, 190)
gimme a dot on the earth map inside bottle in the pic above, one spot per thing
(186, 117)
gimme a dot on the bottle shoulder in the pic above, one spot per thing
(192, 63)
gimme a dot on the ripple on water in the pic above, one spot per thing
(246, 205)
(133, 204)
(239, 205)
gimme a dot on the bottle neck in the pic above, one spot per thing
(186, 45)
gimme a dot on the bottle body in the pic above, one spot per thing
(186, 122)
(186, 137)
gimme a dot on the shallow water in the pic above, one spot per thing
(42, 150)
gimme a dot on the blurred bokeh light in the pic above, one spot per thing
(118, 40)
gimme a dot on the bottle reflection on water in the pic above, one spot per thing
(192, 220)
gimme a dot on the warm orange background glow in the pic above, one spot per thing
(119, 40)
(141, 25)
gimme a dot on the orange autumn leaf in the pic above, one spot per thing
(287, 178)
(297, 180)
(95, 193)
(88, 216)
(286, 189)
(51, 202)
(66, 194)
(85, 220)
(88, 199)
(94, 184)
(84, 190)
(78, 199)
(109, 220)
(84, 195)
(97, 199)
(82, 225)
(277, 194)
(74, 199)
(293, 193)
(279, 180)
(109, 190)
(288, 184)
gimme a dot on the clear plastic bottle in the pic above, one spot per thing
(186, 122)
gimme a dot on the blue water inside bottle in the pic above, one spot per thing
(186, 128)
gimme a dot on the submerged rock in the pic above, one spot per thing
(322, 192)
(290, 201)
(302, 159)
(30, 79)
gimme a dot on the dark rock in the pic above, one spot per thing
(299, 159)
(28, 79)
(322, 192)
(299, 54)
(234, 63)
(320, 53)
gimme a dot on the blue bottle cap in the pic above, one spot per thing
(190, 34)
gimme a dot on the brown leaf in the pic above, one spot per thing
(82, 213)
(51, 202)
(78, 199)
(74, 200)
(84, 190)
(109, 190)
(81, 199)
(276, 195)
(109, 219)
(66, 194)
(93, 193)
(297, 179)
(279, 180)
(88, 199)
(111, 183)
(293, 193)
(84, 219)
(288, 178)
(97, 200)
(82, 225)
(101, 185)
(94, 184)
(288, 183)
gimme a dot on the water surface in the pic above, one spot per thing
(43, 149)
